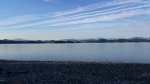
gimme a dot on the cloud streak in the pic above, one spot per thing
(48, 0)
(108, 11)
(99, 5)
(18, 19)
(109, 17)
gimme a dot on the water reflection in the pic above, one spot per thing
(116, 52)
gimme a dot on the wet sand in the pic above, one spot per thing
(53, 72)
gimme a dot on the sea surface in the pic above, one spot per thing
(99, 52)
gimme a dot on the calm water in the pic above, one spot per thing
(101, 52)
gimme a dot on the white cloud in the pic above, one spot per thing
(97, 6)
(93, 14)
(18, 19)
(109, 17)
(50, 1)
(87, 14)
(47, 0)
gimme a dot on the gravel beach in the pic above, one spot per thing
(53, 72)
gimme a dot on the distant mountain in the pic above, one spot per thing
(66, 40)
(88, 40)
(137, 38)
(19, 39)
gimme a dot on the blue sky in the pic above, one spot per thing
(61, 19)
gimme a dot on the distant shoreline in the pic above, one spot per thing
(101, 40)
(74, 43)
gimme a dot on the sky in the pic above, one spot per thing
(65, 19)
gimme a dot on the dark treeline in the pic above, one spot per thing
(102, 40)
(123, 40)
(16, 42)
